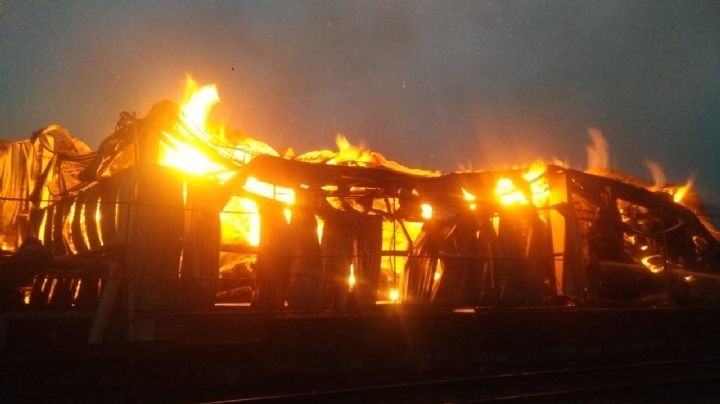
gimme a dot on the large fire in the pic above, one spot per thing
(198, 147)
(179, 150)
(334, 229)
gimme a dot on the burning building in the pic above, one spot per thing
(175, 213)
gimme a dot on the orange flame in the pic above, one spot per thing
(197, 147)
(394, 295)
(508, 193)
(268, 190)
(349, 154)
(240, 222)
(680, 192)
(179, 148)
(469, 197)
(320, 228)
(426, 211)
(539, 185)
(651, 263)
(351, 277)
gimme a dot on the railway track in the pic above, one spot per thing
(663, 381)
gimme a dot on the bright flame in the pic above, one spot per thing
(187, 158)
(349, 154)
(83, 227)
(539, 185)
(177, 149)
(351, 278)
(287, 212)
(320, 228)
(240, 222)
(426, 211)
(69, 230)
(199, 102)
(508, 193)
(268, 190)
(469, 198)
(77, 289)
(41, 230)
(394, 295)
(97, 220)
(680, 192)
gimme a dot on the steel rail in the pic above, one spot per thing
(607, 381)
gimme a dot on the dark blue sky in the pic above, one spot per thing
(428, 83)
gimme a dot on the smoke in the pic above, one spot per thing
(429, 84)
(657, 173)
(598, 151)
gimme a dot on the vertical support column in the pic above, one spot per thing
(156, 233)
(558, 201)
(305, 288)
(337, 255)
(569, 273)
(369, 246)
(200, 264)
(273, 263)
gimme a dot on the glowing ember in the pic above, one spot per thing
(97, 220)
(77, 289)
(654, 263)
(83, 227)
(69, 230)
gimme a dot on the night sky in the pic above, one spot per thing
(440, 85)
